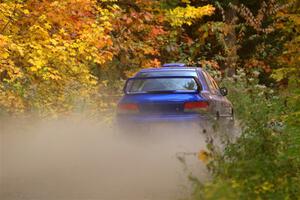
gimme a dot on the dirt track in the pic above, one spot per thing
(87, 160)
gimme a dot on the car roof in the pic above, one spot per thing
(170, 69)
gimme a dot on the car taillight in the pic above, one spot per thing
(197, 106)
(128, 108)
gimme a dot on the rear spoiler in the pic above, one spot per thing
(199, 86)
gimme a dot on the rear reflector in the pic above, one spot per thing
(128, 108)
(197, 106)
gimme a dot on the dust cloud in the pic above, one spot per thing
(81, 159)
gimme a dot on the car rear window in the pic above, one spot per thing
(159, 84)
(167, 73)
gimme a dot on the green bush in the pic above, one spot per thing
(263, 163)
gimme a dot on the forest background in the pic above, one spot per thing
(61, 57)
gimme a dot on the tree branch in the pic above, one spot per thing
(10, 20)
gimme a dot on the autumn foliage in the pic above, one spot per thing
(56, 55)
(47, 48)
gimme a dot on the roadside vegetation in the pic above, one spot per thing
(263, 163)
(61, 57)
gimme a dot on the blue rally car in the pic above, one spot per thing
(173, 93)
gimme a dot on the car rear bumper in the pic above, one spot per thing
(155, 123)
(162, 118)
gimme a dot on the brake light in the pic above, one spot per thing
(197, 106)
(128, 108)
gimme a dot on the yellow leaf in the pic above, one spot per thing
(26, 12)
(4, 55)
(203, 156)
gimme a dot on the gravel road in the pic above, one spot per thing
(79, 159)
